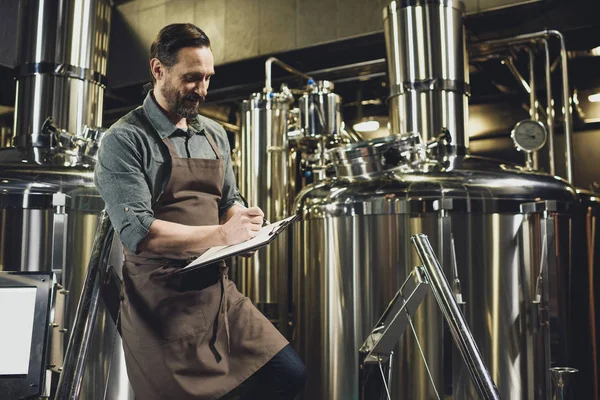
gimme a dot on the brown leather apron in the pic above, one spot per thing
(190, 335)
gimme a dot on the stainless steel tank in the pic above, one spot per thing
(352, 252)
(505, 234)
(584, 306)
(61, 71)
(48, 220)
(428, 73)
(320, 110)
(263, 180)
(282, 149)
(49, 208)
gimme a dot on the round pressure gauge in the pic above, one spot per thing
(529, 135)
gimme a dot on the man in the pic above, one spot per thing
(165, 175)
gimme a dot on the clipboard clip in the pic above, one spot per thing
(281, 227)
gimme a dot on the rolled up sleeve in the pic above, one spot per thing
(230, 193)
(121, 181)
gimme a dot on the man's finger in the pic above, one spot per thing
(255, 211)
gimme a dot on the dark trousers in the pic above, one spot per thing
(282, 378)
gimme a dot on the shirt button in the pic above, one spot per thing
(126, 209)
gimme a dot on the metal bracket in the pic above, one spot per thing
(59, 231)
(383, 338)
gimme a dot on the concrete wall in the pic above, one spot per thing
(246, 28)
(8, 32)
(239, 29)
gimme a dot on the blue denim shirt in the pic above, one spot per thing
(134, 166)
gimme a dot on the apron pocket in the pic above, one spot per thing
(177, 316)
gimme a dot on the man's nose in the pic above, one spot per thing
(202, 88)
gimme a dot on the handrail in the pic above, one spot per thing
(456, 321)
(71, 378)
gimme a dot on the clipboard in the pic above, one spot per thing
(265, 236)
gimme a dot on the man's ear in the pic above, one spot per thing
(156, 68)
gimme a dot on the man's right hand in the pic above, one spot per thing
(243, 225)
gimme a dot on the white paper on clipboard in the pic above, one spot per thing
(265, 235)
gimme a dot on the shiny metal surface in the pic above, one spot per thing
(31, 230)
(71, 379)
(61, 61)
(5, 136)
(454, 317)
(263, 180)
(377, 155)
(549, 109)
(27, 216)
(493, 46)
(320, 111)
(268, 72)
(561, 378)
(351, 252)
(428, 74)
(586, 307)
(379, 345)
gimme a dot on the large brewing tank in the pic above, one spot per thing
(504, 233)
(49, 207)
(352, 252)
(61, 72)
(48, 220)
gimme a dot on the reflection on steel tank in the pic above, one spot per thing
(283, 142)
(49, 207)
(508, 234)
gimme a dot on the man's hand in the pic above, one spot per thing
(243, 225)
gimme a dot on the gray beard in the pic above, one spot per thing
(187, 111)
(178, 104)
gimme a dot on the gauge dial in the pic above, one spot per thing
(529, 135)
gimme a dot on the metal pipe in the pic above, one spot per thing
(561, 377)
(456, 321)
(533, 103)
(566, 98)
(283, 65)
(71, 378)
(493, 45)
(527, 87)
(533, 113)
(549, 110)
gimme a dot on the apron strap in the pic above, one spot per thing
(224, 306)
(212, 143)
(172, 151)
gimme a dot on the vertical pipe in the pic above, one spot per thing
(533, 103)
(549, 110)
(456, 321)
(560, 378)
(78, 349)
(268, 67)
(566, 100)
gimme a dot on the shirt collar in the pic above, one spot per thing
(163, 125)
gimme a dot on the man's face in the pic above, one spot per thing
(185, 85)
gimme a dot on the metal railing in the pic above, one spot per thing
(378, 347)
(456, 321)
(78, 348)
